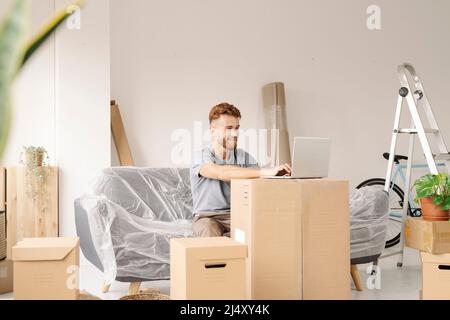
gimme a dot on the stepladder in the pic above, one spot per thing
(423, 126)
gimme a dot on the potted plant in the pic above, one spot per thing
(433, 194)
(34, 159)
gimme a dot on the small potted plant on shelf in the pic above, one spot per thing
(34, 159)
(433, 195)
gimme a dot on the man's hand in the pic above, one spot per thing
(283, 170)
(227, 173)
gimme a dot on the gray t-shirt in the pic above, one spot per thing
(213, 196)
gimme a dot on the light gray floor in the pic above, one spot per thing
(396, 283)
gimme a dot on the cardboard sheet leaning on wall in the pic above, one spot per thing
(274, 106)
(133, 213)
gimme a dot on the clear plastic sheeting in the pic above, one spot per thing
(133, 213)
(369, 216)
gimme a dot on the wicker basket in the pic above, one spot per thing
(146, 296)
(84, 295)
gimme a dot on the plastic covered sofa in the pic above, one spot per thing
(126, 221)
(369, 216)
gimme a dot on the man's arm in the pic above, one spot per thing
(227, 173)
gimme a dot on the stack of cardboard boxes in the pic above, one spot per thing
(30, 267)
(433, 240)
(290, 241)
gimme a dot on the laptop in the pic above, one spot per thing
(310, 159)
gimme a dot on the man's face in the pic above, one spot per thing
(225, 131)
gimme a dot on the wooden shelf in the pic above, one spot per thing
(27, 217)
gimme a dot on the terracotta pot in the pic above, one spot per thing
(432, 212)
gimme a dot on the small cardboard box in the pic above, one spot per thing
(435, 276)
(428, 236)
(298, 237)
(207, 269)
(6, 276)
(46, 269)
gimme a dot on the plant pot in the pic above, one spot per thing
(432, 212)
(35, 156)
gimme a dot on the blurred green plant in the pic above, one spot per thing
(15, 51)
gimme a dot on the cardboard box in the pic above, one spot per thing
(429, 236)
(298, 237)
(46, 269)
(435, 276)
(207, 269)
(6, 276)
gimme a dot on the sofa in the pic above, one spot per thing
(125, 222)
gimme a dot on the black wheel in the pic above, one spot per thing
(396, 206)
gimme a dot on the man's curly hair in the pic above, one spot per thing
(224, 108)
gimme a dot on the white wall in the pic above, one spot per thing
(83, 105)
(172, 60)
(62, 102)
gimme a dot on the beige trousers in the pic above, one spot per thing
(212, 225)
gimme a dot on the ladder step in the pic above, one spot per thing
(442, 157)
(414, 131)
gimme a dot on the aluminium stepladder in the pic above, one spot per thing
(412, 91)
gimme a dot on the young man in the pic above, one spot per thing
(216, 166)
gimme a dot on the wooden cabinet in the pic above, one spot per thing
(2, 189)
(30, 217)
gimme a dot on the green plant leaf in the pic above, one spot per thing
(425, 192)
(438, 200)
(47, 30)
(446, 204)
(12, 37)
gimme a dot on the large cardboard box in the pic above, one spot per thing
(46, 269)
(298, 237)
(207, 269)
(429, 236)
(435, 276)
(6, 276)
